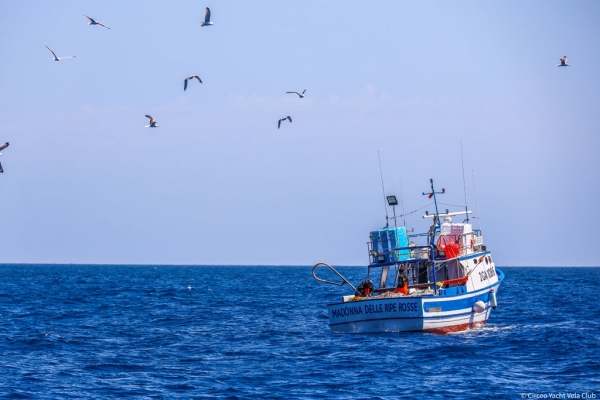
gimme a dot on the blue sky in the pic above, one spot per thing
(218, 183)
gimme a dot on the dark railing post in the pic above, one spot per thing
(433, 270)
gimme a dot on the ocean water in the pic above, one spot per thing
(78, 331)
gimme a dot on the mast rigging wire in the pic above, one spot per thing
(412, 212)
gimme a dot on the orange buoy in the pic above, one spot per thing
(452, 250)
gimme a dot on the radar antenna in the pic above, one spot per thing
(464, 182)
(402, 198)
(387, 225)
(476, 201)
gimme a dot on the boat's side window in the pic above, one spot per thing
(487, 261)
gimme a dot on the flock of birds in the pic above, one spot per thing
(191, 77)
(152, 123)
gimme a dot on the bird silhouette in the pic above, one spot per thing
(94, 22)
(58, 58)
(2, 147)
(206, 18)
(188, 78)
(152, 122)
(301, 95)
(563, 62)
(283, 119)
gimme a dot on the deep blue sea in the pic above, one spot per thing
(105, 331)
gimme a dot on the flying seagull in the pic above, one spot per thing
(283, 119)
(188, 78)
(94, 22)
(300, 94)
(58, 58)
(563, 62)
(152, 122)
(206, 18)
(2, 147)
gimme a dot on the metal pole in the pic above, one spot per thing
(436, 207)
(433, 271)
(476, 201)
(464, 182)
(402, 197)
(383, 189)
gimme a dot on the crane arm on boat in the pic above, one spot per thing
(344, 280)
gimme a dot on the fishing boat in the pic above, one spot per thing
(449, 283)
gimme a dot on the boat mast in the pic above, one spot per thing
(464, 182)
(432, 194)
(432, 237)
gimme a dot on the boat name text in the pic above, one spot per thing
(374, 309)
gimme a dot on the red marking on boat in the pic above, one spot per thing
(457, 280)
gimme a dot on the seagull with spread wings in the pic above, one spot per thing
(563, 62)
(283, 119)
(2, 147)
(152, 122)
(301, 95)
(206, 18)
(58, 58)
(188, 78)
(94, 22)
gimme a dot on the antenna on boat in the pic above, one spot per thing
(387, 225)
(476, 201)
(464, 182)
(402, 198)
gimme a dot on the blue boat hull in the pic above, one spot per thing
(439, 314)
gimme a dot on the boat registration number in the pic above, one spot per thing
(487, 273)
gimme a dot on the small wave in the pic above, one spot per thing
(483, 329)
(495, 328)
(114, 367)
(182, 386)
(19, 395)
